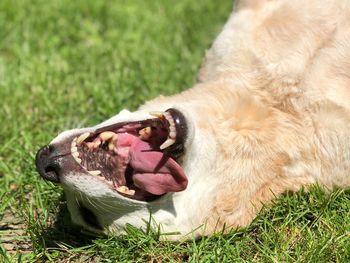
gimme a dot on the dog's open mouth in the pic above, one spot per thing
(137, 159)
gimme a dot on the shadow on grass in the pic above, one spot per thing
(62, 231)
(296, 218)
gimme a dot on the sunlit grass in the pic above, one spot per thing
(66, 64)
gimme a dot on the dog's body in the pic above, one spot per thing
(270, 113)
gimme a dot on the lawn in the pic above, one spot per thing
(66, 64)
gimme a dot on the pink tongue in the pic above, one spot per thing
(153, 172)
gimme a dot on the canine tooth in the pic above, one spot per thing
(83, 137)
(158, 114)
(145, 133)
(172, 134)
(111, 146)
(74, 143)
(105, 136)
(96, 172)
(167, 143)
(96, 144)
(73, 149)
(115, 137)
(78, 160)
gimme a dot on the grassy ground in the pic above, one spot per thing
(65, 64)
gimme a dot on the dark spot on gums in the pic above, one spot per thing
(89, 217)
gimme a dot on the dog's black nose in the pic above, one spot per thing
(47, 164)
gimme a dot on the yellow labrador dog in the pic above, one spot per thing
(270, 113)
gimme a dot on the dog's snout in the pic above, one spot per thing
(47, 166)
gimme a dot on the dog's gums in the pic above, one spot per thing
(137, 159)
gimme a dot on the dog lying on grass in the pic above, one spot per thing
(270, 113)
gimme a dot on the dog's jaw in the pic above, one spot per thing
(178, 212)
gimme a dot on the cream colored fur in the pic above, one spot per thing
(270, 113)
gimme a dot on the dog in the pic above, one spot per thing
(270, 113)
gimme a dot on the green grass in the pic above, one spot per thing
(66, 64)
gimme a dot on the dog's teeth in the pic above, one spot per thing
(158, 114)
(172, 134)
(122, 189)
(73, 146)
(145, 133)
(115, 137)
(93, 145)
(96, 144)
(96, 172)
(131, 192)
(170, 120)
(76, 157)
(105, 136)
(111, 146)
(83, 137)
(125, 190)
(172, 131)
(167, 143)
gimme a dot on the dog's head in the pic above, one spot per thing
(211, 161)
(128, 169)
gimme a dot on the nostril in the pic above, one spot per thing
(52, 168)
(47, 167)
(52, 172)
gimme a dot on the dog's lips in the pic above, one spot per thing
(129, 156)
